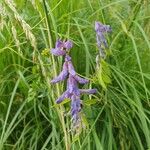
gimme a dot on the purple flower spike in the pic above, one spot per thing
(101, 40)
(81, 80)
(68, 44)
(72, 92)
(63, 75)
(88, 91)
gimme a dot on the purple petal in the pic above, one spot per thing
(71, 68)
(62, 97)
(81, 80)
(88, 91)
(59, 44)
(57, 52)
(68, 44)
(63, 75)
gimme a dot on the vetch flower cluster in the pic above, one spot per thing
(101, 41)
(68, 72)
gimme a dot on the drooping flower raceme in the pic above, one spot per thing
(101, 41)
(68, 72)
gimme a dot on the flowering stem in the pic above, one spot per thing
(59, 111)
(72, 92)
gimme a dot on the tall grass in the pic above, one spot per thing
(118, 117)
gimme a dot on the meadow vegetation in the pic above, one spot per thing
(117, 117)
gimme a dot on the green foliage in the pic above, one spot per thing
(118, 117)
(103, 74)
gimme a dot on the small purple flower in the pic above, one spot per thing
(68, 44)
(88, 91)
(63, 75)
(60, 46)
(71, 68)
(81, 80)
(63, 96)
(57, 52)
